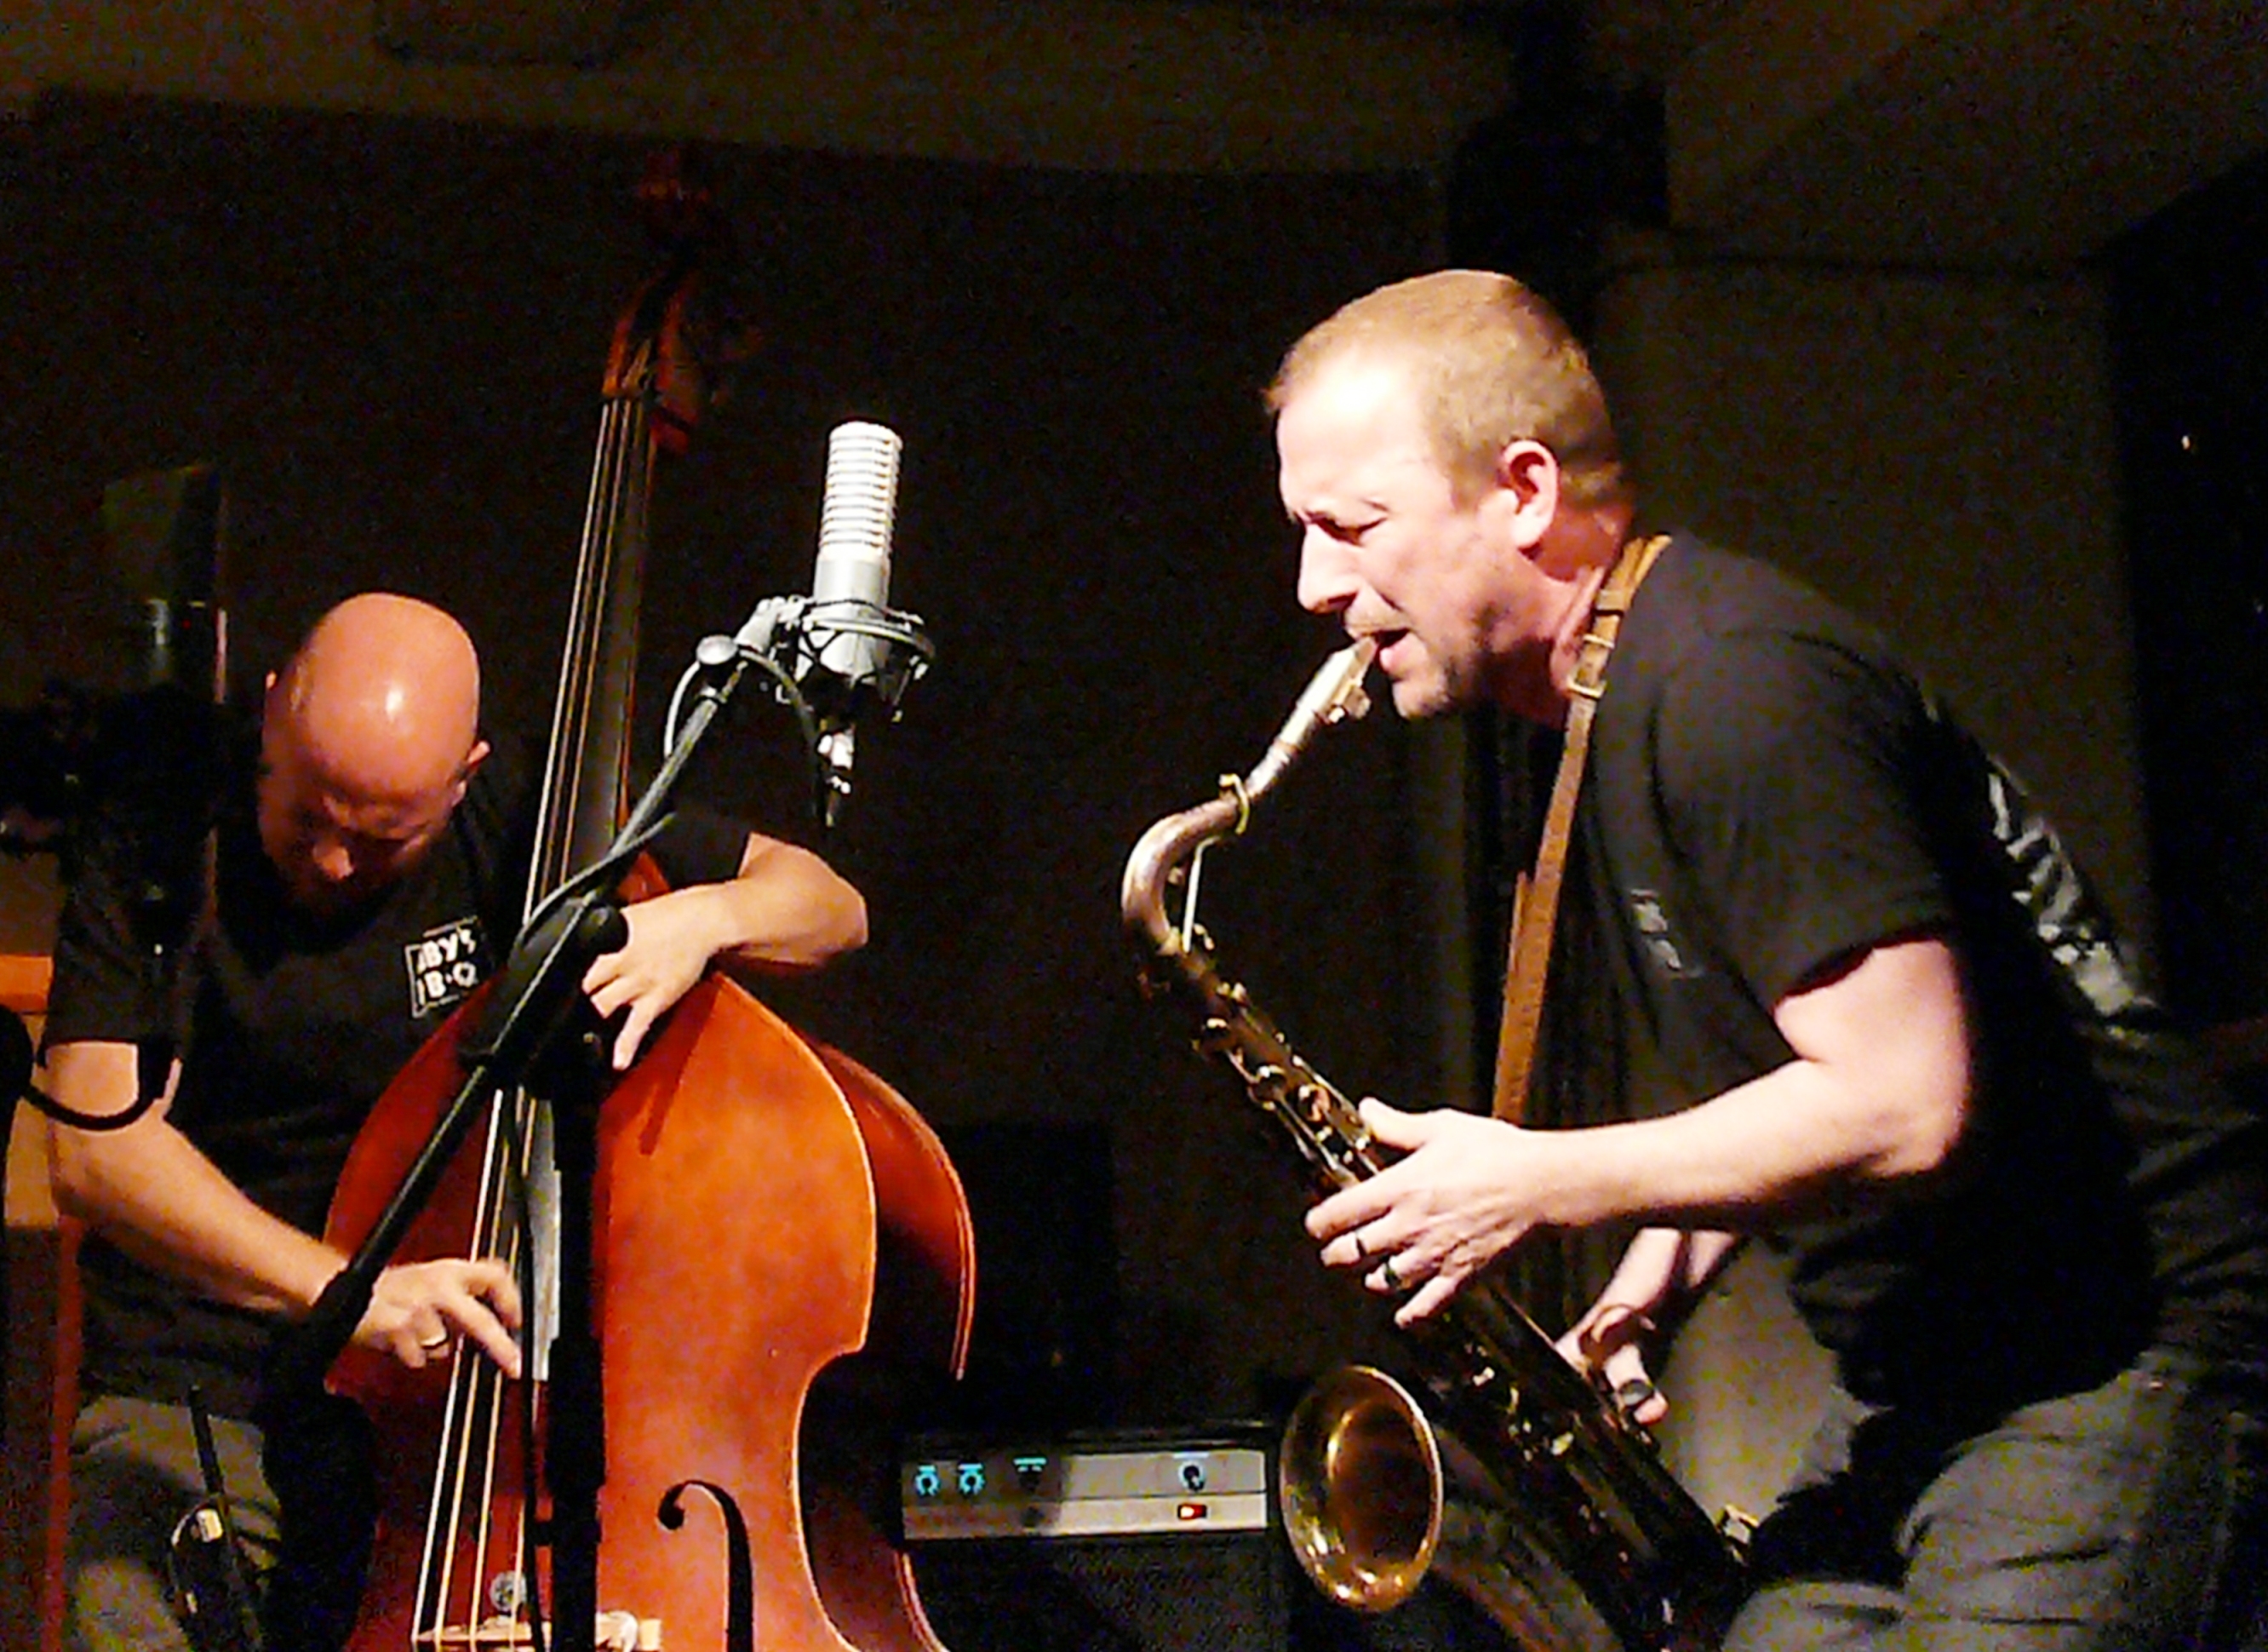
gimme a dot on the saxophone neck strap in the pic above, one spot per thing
(1535, 902)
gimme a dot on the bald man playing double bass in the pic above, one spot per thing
(369, 870)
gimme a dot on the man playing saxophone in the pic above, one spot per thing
(1877, 1017)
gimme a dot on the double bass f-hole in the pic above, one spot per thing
(765, 1221)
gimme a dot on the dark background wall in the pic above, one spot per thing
(388, 335)
(2189, 327)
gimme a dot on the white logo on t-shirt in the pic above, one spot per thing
(443, 966)
(1654, 931)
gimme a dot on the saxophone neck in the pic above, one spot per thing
(1159, 854)
(1334, 694)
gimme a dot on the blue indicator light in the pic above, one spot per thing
(972, 1479)
(927, 1481)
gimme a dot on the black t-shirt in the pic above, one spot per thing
(1770, 791)
(294, 1028)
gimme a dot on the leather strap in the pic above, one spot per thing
(1535, 900)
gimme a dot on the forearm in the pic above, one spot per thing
(1665, 1266)
(1663, 1273)
(1708, 1252)
(1876, 1095)
(1874, 1098)
(150, 1192)
(787, 909)
(1777, 1147)
(154, 1196)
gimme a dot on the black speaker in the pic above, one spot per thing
(1234, 1593)
(1106, 1541)
(1195, 1594)
(1135, 1540)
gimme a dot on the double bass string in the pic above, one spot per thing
(466, 1490)
(467, 1476)
(467, 1470)
(614, 518)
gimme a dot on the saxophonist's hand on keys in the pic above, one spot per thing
(1466, 1190)
(1664, 1272)
(1608, 1345)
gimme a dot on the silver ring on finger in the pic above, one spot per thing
(1386, 1271)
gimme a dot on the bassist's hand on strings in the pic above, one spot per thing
(418, 1310)
(669, 946)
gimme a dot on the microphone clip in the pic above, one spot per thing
(833, 661)
(845, 655)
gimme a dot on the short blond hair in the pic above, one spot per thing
(1492, 364)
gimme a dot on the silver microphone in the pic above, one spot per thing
(841, 652)
(850, 584)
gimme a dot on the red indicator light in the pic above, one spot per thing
(1189, 1511)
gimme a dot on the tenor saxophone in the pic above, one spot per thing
(1534, 1494)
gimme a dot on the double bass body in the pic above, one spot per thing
(780, 1227)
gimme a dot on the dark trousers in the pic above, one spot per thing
(2134, 1515)
(300, 1504)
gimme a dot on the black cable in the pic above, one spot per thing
(16, 1061)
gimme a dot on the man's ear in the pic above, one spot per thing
(271, 718)
(474, 759)
(1527, 478)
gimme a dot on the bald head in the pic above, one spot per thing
(384, 692)
(367, 739)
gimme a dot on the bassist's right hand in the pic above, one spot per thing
(418, 1309)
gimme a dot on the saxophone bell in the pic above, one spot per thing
(1360, 1487)
(1376, 1496)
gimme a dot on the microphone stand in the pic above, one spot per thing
(521, 1045)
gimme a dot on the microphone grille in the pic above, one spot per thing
(862, 492)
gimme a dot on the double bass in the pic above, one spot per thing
(779, 1247)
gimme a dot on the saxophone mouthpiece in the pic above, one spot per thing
(1340, 678)
(1333, 695)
